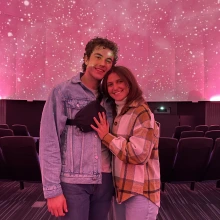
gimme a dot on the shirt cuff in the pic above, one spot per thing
(107, 139)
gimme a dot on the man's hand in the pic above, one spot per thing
(57, 206)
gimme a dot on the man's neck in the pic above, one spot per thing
(90, 82)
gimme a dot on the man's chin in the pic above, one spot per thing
(99, 76)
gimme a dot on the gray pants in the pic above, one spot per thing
(88, 201)
(135, 208)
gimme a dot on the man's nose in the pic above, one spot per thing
(102, 62)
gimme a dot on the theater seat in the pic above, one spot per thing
(5, 126)
(192, 159)
(214, 134)
(6, 132)
(203, 128)
(20, 130)
(167, 152)
(179, 129)
(185, 134)
(214, 127)
(4, 172)
(21, 158)
(213, 170)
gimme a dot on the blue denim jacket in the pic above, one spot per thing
(67, 154)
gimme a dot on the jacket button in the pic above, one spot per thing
(96, 157)
(115, 123)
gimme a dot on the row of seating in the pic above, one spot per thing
(205, 128)
(19, 159)
(199, 131)
(189, 160)
(16, 129)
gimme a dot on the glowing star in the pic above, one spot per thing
(26, 3)
(10, 34)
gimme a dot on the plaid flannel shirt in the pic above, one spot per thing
(134, 144)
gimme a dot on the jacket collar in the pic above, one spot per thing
(77, 78)
(134, 104)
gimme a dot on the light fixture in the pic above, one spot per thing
(162, 110)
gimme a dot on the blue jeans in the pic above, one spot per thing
(88, 201)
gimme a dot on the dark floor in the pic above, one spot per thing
(178, 202)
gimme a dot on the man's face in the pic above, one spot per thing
(99, 63)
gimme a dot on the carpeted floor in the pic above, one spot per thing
(178, 202)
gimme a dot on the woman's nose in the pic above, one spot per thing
(115, 87)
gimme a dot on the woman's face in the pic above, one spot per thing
(117, 88)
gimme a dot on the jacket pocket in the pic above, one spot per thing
(74, 105)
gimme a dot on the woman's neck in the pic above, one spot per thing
(119, 105)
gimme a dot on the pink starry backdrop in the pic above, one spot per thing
(172, 46)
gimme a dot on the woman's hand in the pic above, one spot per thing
(102, 126)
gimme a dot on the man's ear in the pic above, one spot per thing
(86, 59)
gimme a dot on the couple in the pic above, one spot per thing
(79, 169)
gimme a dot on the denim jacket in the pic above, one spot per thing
(67, 154)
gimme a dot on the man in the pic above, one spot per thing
(76, 171)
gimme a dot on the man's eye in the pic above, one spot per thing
(109, 61)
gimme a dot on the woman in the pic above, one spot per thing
(134, 144)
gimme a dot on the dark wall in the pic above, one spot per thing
(181, 113)
(24, 112)
(191, 113)
(167, 121)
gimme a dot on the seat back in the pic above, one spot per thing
(167, 152)
(6, 132)
(214, 127)
(214, 134)
(192, 158)
(203, 128)
(5, 126)
(21, 157)
(4, 171)
(159, 126)
(20, 130)
(179, 129)
(213, 170)
(185, 134)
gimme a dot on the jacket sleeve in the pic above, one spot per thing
(138, 148)
(52, 124)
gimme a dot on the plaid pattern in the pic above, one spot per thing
(134, 142)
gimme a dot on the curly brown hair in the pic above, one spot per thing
(98, 41)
